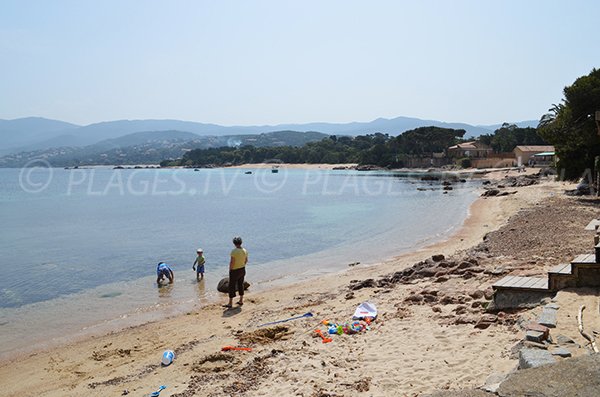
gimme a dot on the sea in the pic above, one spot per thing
(79, 247)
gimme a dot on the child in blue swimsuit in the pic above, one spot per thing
(163, 270)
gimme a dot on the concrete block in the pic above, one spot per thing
(534, 336)
(548, 317)
(532, 326)
(532, 358)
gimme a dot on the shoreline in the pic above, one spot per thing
(140, 316)
(485, 215)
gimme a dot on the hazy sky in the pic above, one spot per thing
(270, 62)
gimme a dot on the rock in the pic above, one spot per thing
(460, 309)
(490, 192)
(561, 352)
(476, 304)
(486, 320)
(536, 345)
(497, 271)
(535, 336)
(478, 294)
(436, 309)
(418, 299)
(572, 377)
(532, 358)
(564, 340)
(488, 293)
(442, 279)
(465, 265)
(368, 283)
(223, 285)
(493, 381)
(464, 320)
(448, 300)
(349, 295)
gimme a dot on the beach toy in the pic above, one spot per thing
(157, 392)
(340, 330)
(167, 357)
(325, 339)
(332, 329)
(228, 348)
(309, 314)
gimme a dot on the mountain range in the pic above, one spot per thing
(37, 133)
(151, 147)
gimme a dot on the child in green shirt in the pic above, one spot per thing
(200, 262)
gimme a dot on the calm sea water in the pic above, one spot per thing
(79, 247)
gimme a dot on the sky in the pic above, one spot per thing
(272, 62)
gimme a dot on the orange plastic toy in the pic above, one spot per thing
(227, 348)
(325, 339)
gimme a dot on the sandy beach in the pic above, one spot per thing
(423, 340)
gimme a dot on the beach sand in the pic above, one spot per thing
(415, 347)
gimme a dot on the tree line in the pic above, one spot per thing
(374, 149)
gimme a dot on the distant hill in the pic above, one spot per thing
(36, 133)
(151, 147)
(29, 130)
(520, 124)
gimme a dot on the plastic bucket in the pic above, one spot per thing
(167, 357)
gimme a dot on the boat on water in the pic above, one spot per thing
(248, 172)
(274, 170)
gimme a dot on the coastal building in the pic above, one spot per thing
(534, 154)
(473, 149)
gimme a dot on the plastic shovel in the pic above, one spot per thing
(305, 315)
(157, 393)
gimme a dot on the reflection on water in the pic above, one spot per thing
(165, 290)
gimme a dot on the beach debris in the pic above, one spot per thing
(236, 348)
(324, 338)
(349, 295)
(265, 335)
(587, 336)
(305, 315)
(167, 357)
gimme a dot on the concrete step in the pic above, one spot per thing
(563, 268)
(522, 283)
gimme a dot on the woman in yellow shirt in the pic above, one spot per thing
(237, 271)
